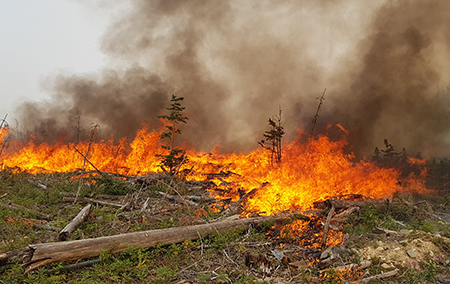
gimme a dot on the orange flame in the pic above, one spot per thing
(309, 172)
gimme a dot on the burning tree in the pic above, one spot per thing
(273, 139)
(176, 156)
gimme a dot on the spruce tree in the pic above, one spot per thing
(172, 161)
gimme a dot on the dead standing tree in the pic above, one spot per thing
(316, 116)
(273, 139)
(92, 138)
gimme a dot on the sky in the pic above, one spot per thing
(41, 38)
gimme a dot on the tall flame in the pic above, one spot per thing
(309, 172)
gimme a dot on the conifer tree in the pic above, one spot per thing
(172, 161)
(273, 139)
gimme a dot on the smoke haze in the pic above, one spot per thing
(385, 64)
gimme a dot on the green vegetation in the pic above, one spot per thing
(172, 161)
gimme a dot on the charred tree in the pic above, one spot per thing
(316, 116)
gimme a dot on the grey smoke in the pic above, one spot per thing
(385, 65)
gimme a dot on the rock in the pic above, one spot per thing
(405, 232)
(411, 253)
(385, 266)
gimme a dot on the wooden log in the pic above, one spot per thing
(46, 253)
(327, 226)
(64, 234)
(15, 255)
(344, 214)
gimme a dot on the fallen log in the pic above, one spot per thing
(42, 254)
(64, 234)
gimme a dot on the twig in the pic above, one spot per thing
(87, 160)
(363, 265)
(226, 254)
(201, 242)
(379, 276)
(75, 266)
(96, 201)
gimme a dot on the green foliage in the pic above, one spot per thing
(366, 221)
(165, 274)
(107, 185)
(272, 141)
(176, 156)
(427, 227)
(221, 239)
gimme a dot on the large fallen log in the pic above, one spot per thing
(42, 254)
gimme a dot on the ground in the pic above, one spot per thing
(409, 232)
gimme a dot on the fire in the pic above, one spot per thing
(309, 172)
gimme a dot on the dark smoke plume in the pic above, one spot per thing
(402, 91)
(385, 65)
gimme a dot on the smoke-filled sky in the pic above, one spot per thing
(385, 66)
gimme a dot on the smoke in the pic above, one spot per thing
(384, 64)
(401, 92)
